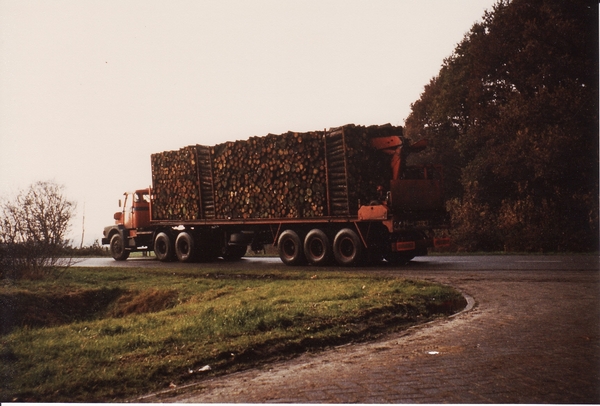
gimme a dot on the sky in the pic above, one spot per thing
(89, 89)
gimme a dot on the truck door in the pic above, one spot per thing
(141, 209)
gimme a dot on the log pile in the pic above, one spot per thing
(292, 175)
(175, 185)
(276, 176)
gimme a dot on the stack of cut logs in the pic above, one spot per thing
(275, 176)
(175, 185)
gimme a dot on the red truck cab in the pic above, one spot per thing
(129, 233)
(135, 211)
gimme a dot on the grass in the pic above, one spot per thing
(108, 334)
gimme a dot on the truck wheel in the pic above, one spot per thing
(117, 248)
(290, 248)
(317, 248)
(163, 247)
(347, 248)
(184, 247)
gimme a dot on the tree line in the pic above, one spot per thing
(513, 117)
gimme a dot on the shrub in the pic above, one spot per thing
(32, 231)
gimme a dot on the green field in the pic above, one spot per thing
(107, 334)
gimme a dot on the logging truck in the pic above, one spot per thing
(344, 195)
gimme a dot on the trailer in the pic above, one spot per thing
(343, 195)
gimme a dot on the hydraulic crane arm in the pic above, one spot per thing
(398, 147)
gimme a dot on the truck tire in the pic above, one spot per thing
(317, 248)
(185, 247)
(290, 250)
(163, 247)
(117, 248)
(347, 248)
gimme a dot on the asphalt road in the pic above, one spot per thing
(531, 335)
(483, 262)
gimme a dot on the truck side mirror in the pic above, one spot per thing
(119, 202)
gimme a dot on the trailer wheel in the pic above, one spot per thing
(317, 247)
(163, 248)
(347, 248)
(184, 247)
(117, 248)
(290, 248)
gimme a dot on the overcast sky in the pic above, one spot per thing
(89, 89)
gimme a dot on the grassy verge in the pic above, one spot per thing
(106, 334)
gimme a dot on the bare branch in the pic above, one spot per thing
(32, 230)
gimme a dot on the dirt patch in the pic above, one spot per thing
(26, 309)
(148, 301)
(365, 326)
(447, 306)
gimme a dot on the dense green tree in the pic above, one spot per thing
(513, 116)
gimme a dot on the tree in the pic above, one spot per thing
(514, 113)
(33, 230)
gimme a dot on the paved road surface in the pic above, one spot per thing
(486, 262)
(532, 336)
